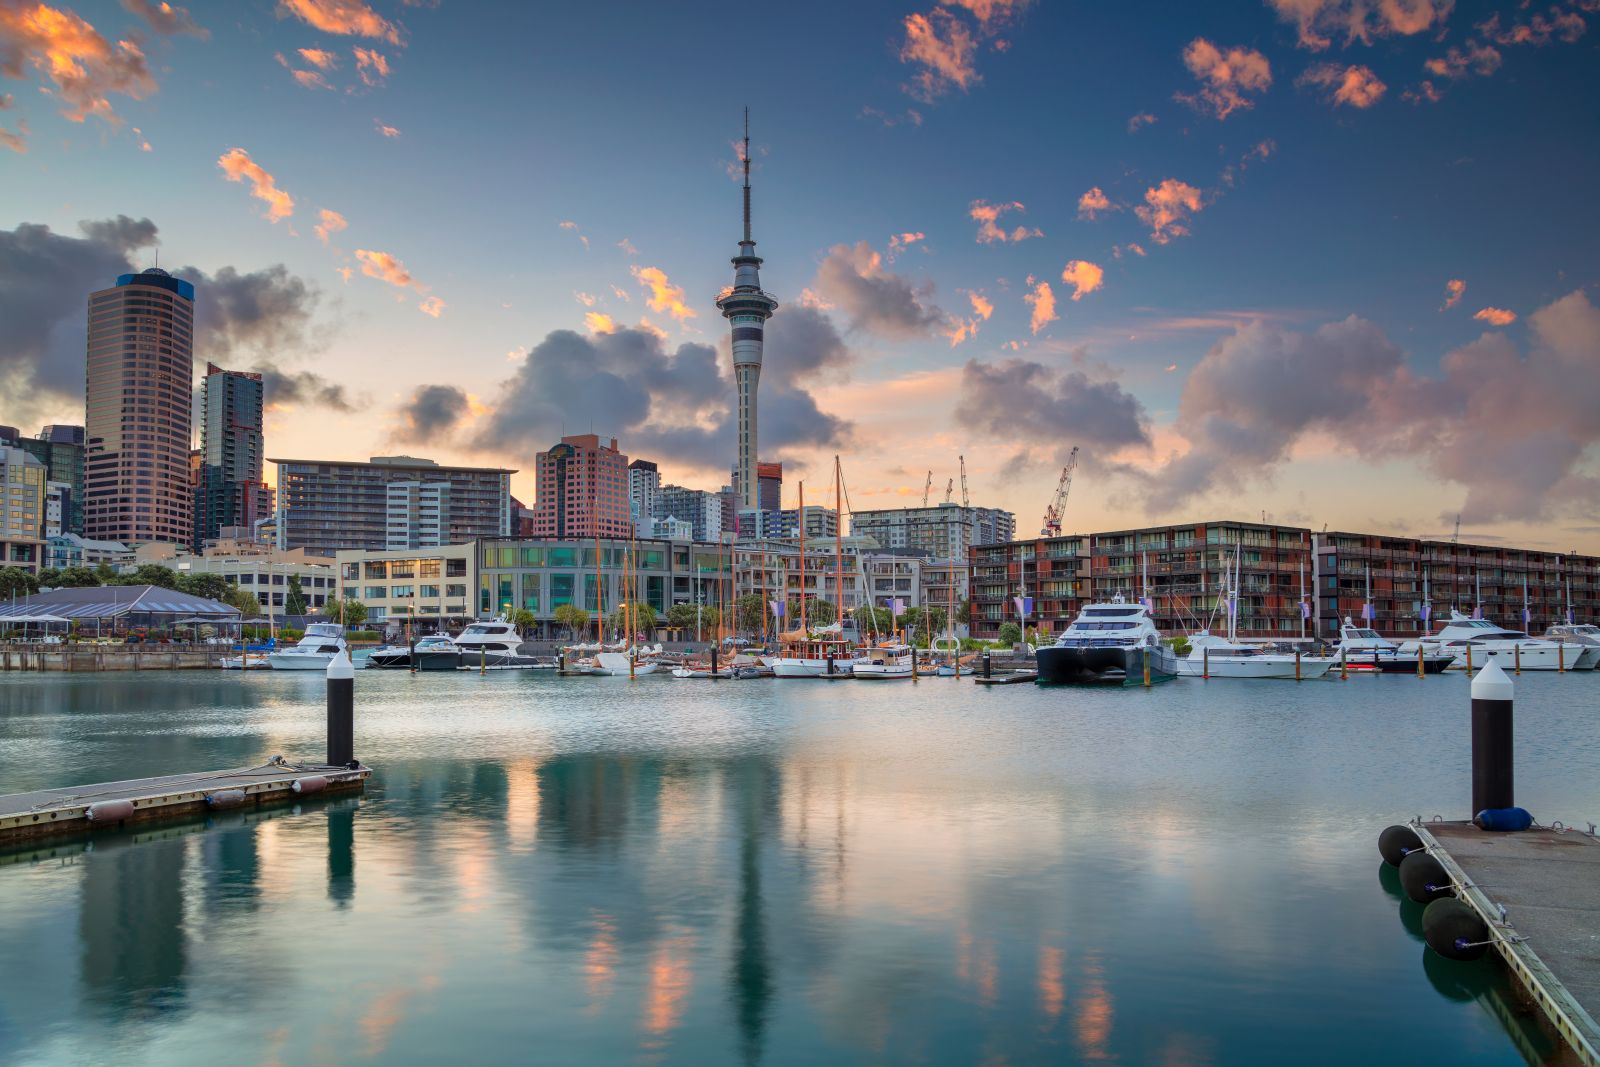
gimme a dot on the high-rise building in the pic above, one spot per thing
(582, 488)
(701, 509)
(229, 489)
(326, 507)
(60, 449)
(138, 410)
(22, 509)
(747, 310)
(644, 482)
(941, 531)
(769, 486)
(58, 503)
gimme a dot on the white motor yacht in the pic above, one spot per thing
(1471, 642)
(433, 652)
(1107, 644)
(1585, 635)
(1217, 657)
(322, 642)
(491, 643)
(882, 662)
(1363, 648)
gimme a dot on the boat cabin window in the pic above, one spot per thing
(1363, 633)
(1100, 612)
(1104, 625)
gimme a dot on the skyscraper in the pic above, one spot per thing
(582, 486)
(140, 370)
(747, 309)
(229, 490)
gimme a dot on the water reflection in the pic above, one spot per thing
(130, 926)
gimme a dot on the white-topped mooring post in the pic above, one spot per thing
(341, 711)
(1492, 785)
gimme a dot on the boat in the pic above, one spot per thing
(1362, 648)
(313, 652)
(1581, 634)
(883, 662)
(249, 661)
(701, 670)
(822, 653)
(1211, 656)
(433, 652)
(1107, 644)
(492, 643)
(616, 664)
(1472, 642)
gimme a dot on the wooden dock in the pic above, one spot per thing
(111, 805)
(1548, 934)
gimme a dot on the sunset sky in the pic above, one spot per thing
(1334, 261)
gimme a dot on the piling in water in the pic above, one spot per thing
(1492, 782)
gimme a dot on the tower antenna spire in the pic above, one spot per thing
(747, 174)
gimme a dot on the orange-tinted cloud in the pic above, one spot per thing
(989, 231)
(627, 247)
(166, 19)
(320, 58)
(900, 241)
(1319, 21)
(1225, 77)
(1566, 25)
(991, 11)
(432, 306)
(959, 329)
(1084, 277)
(571, 226)
(81, 68)
(1132, 248)
(237, 165)
(1093, 203)
(331, 223)
(350, 18)
(1354, 85)
(588, 300)
(387, 131)
(945, 48)
(1476, 58)
(373, 66)
(981, 306)
(387, 268)
(1139, 121)
(16, 140)
(1167, 208)
(1496, 316)
(309, 79)
(1043, 302)
(1454, 289)
(599, 322)
(664, 296)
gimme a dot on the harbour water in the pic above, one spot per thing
(668, 872)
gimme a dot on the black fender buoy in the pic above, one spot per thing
(1395, 842)
(1453, 930)
(1423, 878)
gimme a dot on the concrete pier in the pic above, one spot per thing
(1549, 885)
(49, 812)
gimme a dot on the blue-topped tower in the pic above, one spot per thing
(747, 310)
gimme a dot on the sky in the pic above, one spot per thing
(1332, 262)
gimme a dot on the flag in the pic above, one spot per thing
(1569, 616)
(1427, 612)
(1527, 616)
(1366, 611)
(1149, 605)
(1233, 606)
(898, 606)
(1477, 611)
(1305, 610)
(777, 608)
(1024, 605)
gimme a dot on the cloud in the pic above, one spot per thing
(627, 247)
(1225, 77)
(1568, 26)
(981, 306)
(237, 165)
(288, 389)
(16, 140)
(1084, 277)
(432, 413)
(992, 12)
(664, 296)
(1139, 121)
(320, 58)
(573, 227)
(331, 223)
(1132, 248)
(1476, 58)
(1496, 316)
(1018, 398)
(1354, 85)
(1095, 202)
(987, 216)
(1511, 427)
(371, 65)
(853, 278)
(1167, 209)
(266, 312)
(959, 329)
(1454, 289)
(350, 18)
(901, 241)
(432, 306)
(945, 49)
(669, 405)
(599, 322)
(80, 67)
(310, 79)
(588, 300)
(1319, 21)
(387, 268)
(387, 131)
(1043, 302)
(165, 19)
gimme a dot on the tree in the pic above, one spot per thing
(295, 602)
(14, 581)
(644, 618)
(873, 620)
(242, 599)
(523, 620)
(78, 577)
(350, 611)
(819, 612)
(48, 578)
(1010, 633)
(574, 618)
(150, 574)
(751, 611)
(964, 612)
(210, 586)
(104, 573)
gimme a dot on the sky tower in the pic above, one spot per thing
(747, 309)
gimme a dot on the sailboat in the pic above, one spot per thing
(817, 652)
(1211, 656)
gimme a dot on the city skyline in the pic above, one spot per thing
(1254, 260)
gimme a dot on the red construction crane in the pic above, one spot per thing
(1052, 514)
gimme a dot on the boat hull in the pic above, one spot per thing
(1255, 667)
(1108, 665)
(803, 667)
(1396, 664)
(882, 671)
(312, 661)
(1510, 658)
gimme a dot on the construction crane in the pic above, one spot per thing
(1052, 514)
(966, 501)
(926, 488)
(949, 490)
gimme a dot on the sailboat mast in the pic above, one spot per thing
(838, 548)
(804, 629)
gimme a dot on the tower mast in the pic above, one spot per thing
(747, 310)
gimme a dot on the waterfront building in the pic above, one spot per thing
(582, 489)
(137, 404)
(23, 495)
(117, 608)
(701, 509)
(74, 550)
(228, 485)
(644, 483)
(943, 531)
(431, 586)
(268, 576)
(747, 310)
(61, 450)
(667, 529)
(944, 585)
(325, 507)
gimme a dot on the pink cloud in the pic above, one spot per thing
(987, 216)
(350, 18)
(1095, 202)
(1355, 86)
(1167, 209)
(1319, 21)
(1496, 316)
(1454, 289)
(331, 223)
(373, 66)
(80, 67)
(237, 165)
(1043, 302)
(1084, 277)
(664, 296)
(1226, 77)
(945, 49)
